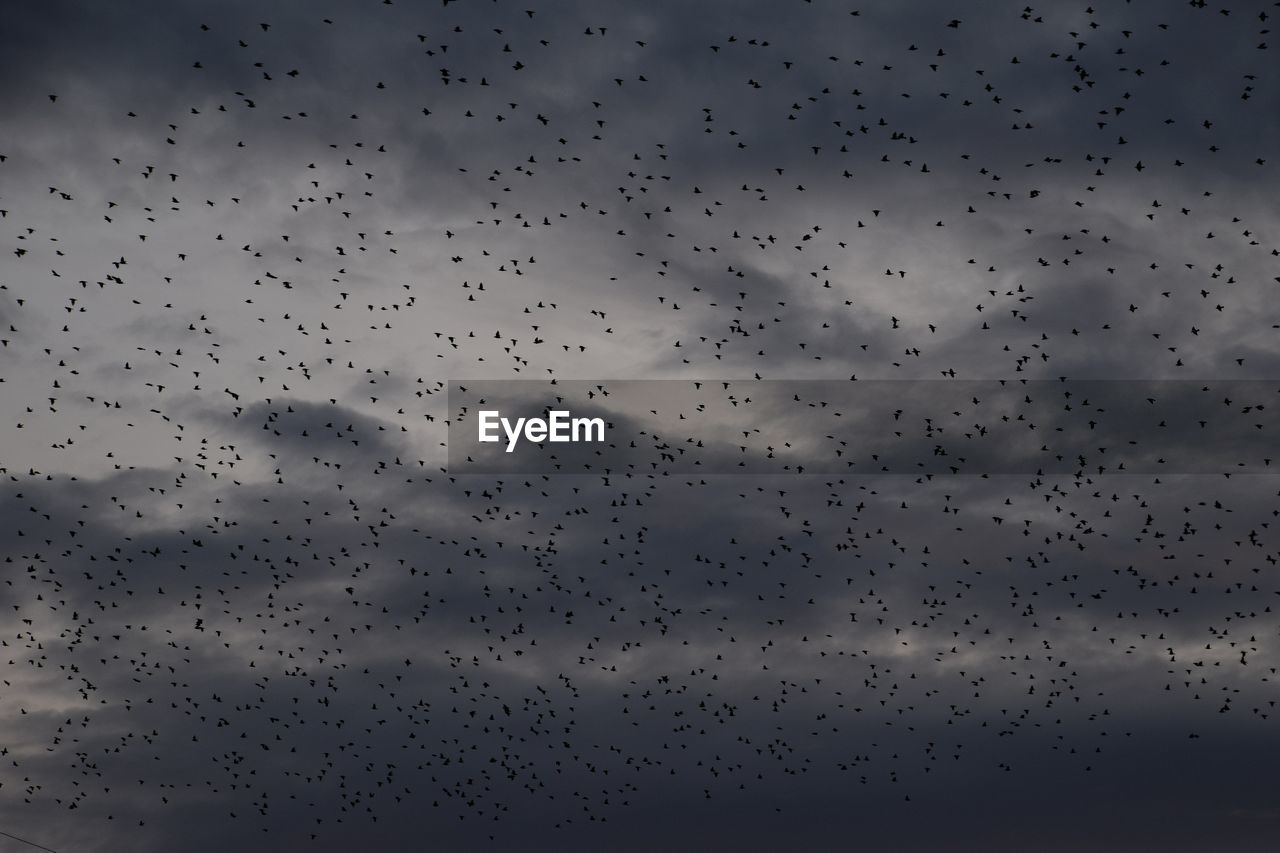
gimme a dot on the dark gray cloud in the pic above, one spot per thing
(249, 603)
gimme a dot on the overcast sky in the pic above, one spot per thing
(247, 247)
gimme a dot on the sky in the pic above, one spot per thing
(261, 262)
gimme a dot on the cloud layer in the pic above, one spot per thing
(250, 602)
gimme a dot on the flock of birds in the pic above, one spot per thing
(247, 592)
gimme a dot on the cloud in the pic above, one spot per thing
(244, 580)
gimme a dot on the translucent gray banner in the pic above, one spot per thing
(833, 427)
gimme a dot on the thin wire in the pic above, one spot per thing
(25, 841)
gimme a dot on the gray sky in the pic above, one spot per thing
(247, 247)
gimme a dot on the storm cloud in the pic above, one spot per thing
(252, 600)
